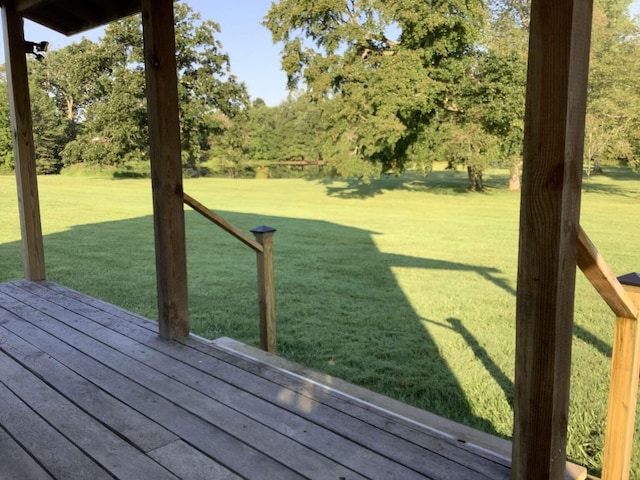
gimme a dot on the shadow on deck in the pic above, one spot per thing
(90, 391)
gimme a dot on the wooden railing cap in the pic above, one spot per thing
(632, 279)
(263, 229)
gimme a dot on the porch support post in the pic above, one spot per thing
(166, 167)
(23, 149)
(549, 219)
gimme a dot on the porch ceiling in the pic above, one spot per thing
(74, 16)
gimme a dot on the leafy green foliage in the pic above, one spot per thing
(380, 93)
(89, 102)
(613, 117)
(6, 138)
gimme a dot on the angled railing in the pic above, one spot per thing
(623, 297)
(263, 246)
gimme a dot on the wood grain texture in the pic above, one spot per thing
(17, 462)
(73, 16)
(549, 218)
(166, 167)
(602, 278)
(218, 414)
(266, 290)
(23, 148)
(623, 395)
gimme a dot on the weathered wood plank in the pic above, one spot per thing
(602, 278)
(166, 167)
(189, 464)
(549, 219)
(102, 445)
(16, 463)
(233, 410)
(252, 376)
(60, 457)
(209, 439)
(276, 445)
(288, 400)
(23, 148)
(143, 433)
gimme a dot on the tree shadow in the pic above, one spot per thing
(452, 182)
(448, 182)
(612, 182)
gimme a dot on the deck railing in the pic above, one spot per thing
(624, 300)
(263, 246)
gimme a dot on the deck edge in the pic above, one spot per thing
(473, 438)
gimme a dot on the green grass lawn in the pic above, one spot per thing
(405, 286)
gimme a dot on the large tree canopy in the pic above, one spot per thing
(385, 69)
(89, 100)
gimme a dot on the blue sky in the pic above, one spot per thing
(254, 58)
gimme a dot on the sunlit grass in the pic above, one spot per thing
(405, 286)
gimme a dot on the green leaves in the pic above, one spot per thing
(379, 70)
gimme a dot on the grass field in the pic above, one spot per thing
(405, 286)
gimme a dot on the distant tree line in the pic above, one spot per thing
(376, 87)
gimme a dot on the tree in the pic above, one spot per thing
(614, 88)
(6, 137)
(75, 77)
(113, 112)
(378, 94)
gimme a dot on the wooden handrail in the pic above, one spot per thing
(222, 223)
(602, 278)
(625, 359)
(263, 246)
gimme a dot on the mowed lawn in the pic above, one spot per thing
(405, 286)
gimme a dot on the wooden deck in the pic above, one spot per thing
(90, 391)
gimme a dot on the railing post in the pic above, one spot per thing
(623, 391)
(266, 289)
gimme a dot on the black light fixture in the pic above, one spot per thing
(35, 49)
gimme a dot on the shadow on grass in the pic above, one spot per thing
(340, 308)
(450, 182)
(612, 182)
(447, 182)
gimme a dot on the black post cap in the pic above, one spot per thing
(632, 279)
(263, 229)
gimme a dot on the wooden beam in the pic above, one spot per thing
(550, 208)
(166, 167)
(23, 149)
(222, 223)
(23, 6)
(623, 394)
(266, 289)
(602, 278)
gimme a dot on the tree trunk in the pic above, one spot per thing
(70, 114)
(475, 179)
(515, 176)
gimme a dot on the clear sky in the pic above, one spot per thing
(254, 58)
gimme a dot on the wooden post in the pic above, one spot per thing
(623, 390)
(266, 289)
(549, 219)
(23, 149)
(166, 167)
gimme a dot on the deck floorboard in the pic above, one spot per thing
(94, 386)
